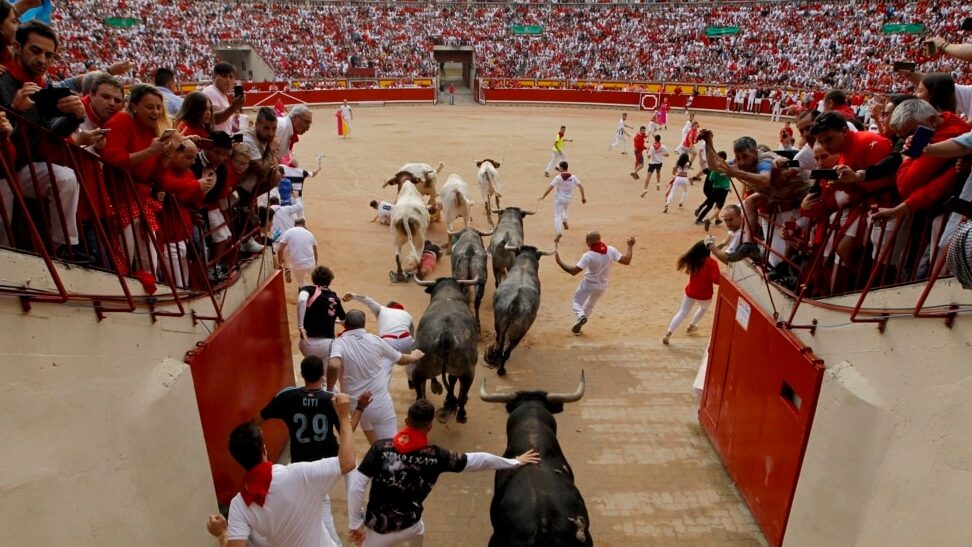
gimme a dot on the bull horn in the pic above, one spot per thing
(547, 253)
(465, 282)
(533, 212)
(496, 211)
(422, 282)
(453, 233)
(569, 397)
(485, 234)
(494, 398)
(509, 247)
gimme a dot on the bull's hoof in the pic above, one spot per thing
(461, 417)
(444, 414)
(396, 277)
(436, 387)
(490, 358)
(501, 371)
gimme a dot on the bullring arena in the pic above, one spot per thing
(646, 469)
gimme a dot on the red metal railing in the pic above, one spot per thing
(115, 229)
(886, 255)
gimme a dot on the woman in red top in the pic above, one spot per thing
(134, 144)
(195, 117)
(703, 276)
(183, 194)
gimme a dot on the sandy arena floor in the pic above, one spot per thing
(641, 460)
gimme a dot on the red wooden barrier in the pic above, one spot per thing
(388, 95)
(236, 371)
(761, 391)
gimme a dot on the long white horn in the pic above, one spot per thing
(423, 283)
(495, 397)
(485, 234)
(509, 247)
(569, 397)
(466, 282)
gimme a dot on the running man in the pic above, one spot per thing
(639, 151)
(558, 156)
(565, 184)
(656, 152)
(688, 141)
(620, 135)
(596, 264)
(402, 471)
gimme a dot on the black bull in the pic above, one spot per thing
(508, 234)
(447, 335)
(469, 262)
(537, 504)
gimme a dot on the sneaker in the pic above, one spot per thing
(657, 187)
(546, 173)
(679, 205)
(251, 246)
(665, 210)
(691, 329)
(73, 254)
(576, 329)
(623, 153)
(665, 340)
(565, 226)
(645, 193)
(706, 223)
(634, 175)
(288, 277)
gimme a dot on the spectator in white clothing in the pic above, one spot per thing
(395, 327)
(290, 128)
(299, 245)
(596, 265)
(226, 103)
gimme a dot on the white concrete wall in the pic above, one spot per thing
(889, 460)
(102, 443)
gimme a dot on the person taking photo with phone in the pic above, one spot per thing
(226, 97)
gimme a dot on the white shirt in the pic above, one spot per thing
(596, 266)
(292, 513)
(300, 245)
(385, 212)
(285, 130)
(221, 102)
(735, 238)
(685, 130)
(390, 320)
(565, 188)
(963, 99)
(655, 156)
(346, 112)
(621, 125)
(361, 355)
(806, 159)
(284, 217)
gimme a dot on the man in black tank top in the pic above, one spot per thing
(318, 308)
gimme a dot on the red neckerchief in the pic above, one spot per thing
(18, 73)
(657, 145)
(293, 138)
(89, 112)
(599, 248)
(396, 306)
(409, 440)
(565, 175)
(256, 483)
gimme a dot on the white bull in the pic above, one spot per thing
(488, 178)
(409, 223)
(455, 201)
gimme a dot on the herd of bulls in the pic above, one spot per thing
(534, 504)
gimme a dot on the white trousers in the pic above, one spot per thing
(555, 159)
(681, 183)
(140, 247)
(686, 307)
(66, 200)
(329, 521)
(402, 345)
(177, 261)
(586, 295)
(300, 274)
(319, 347)
(560, 214)
(619, 139)
(413, 536)
(379, 417)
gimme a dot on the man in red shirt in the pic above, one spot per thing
(639, 151)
